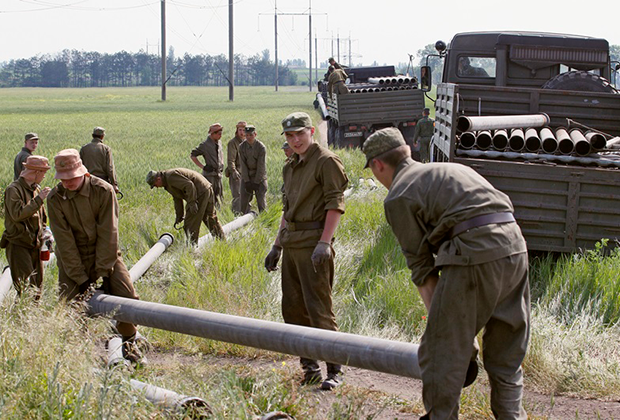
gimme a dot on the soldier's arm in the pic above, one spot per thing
(179, 210)
(416, 132)
(111, 169)
(261, 170)
(17, 209)
(230, 157)
(106, 248)
(332, 219)
(245, 173)
(194, 156)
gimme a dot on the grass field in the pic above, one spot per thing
(49, 366)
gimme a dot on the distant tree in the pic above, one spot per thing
(435, 63)
(54, 73)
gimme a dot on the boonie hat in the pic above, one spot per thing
(150, 178)
(98, 131)
(68, 165)
(31, 136)
(250, 128)
(215, 127)
(285, 146)
(296, 121)
(241, 124)
(382, 141)
(37, 163)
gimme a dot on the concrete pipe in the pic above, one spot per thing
(464, 123)
(565, 143)
(612, 142)
(582, 145)
(115, 353)
(239, 222)
(484, 140)
(6, 281)
(376, 354)
(516, 141)
(322, 107)
(532, 141)
(596, 140)
(170, 400)
(375, 80)
(467, 140)
(549, 142)
(143, 264)
(500, 139)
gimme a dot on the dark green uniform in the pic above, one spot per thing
(311, 187)
(423, 133)
(24, 224)
(233, 172)
(188, 185)
(336, 81)
(97, 157)
(253, 174)
(18, 164)
(213, 155)
(483, 283)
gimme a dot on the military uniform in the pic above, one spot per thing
(253, 174)
(188, 185)
(336, 80)
(483, 283)
(213, 155)
(85, 227)
(24, 224)
(423, 133)
(97, 157)
(18, 164)
(233, 173)
(312, 186)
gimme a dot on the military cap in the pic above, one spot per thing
(296, 121)
(285, 146)
(150, 178)
(241, 124)
(426, 110)
(68, 164)
(31, 136)
(382, 141)
(215, 127)
(250, 129)
(98, 131)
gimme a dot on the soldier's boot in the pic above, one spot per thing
(312, 372)
(334, 377)
(132, 352)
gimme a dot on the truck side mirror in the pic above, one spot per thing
(426, 78)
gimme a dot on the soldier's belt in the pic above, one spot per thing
(485, 219)
(295, 226)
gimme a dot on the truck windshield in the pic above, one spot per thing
(470, 66)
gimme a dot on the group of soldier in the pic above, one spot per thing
(467, 256)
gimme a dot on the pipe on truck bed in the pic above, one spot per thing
(464, 123)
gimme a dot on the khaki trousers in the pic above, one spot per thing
(26, 267)
(216, 185)
(235, 189)
(494, 296)
(248, 194)
(206, 213)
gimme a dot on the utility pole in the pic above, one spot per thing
(349, 49)
(163, 50)
(316, 58)
(275, 17)
(310, 45)
(231, 54)
(338, 45)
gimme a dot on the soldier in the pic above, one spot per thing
(211, 151)
(448, 218)
(288, 152)
(423, 133)
(313, 196)
(253, 170)
(83, 214)
(31, 141)
(334, 63)
(188, 185)
(234, 167)
(336, 80)
(97, 157)
(24, 225)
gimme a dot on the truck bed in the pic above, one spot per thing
(377, 107)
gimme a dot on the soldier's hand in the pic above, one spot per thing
(322, 253)
(271, 260)
(236, 175)
(192, 208)
(44, 193)
(178, 220)
(116, 189)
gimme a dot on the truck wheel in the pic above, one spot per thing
(579, 81)
(332, 127)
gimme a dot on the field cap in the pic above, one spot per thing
(426, 110)
(31, 136)
(296, 121)
(98, 131)
(250, 129)
(241, 124)
(150, 178)
(382, 141)
(215, 127)
(285, 146)
(68, 165)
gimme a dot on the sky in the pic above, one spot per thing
(385, 31)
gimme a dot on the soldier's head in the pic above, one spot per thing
(153, 178)
(384, 150)
(331, 61)
(215, 131)
(250, 134)
(35, 168)
(98, 133)
(330, 69)
(287, 150)
(426, 112)
(69, 169)
(31, 141)
(298, 130)
(241, 129)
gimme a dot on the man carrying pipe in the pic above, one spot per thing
(188, 185)
(313, 199)
(83, 212)
(24, 225)
(448, 218)
(422, 134)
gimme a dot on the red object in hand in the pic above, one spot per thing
(45, 255)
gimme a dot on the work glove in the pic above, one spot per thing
(271, 260)
(322, 253)
(236, 175)
(192, 208)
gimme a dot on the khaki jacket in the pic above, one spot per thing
(97, 157)
(232, 157)
(184, 184)
(18, 164)
(213, 155)
(253, 157)
(337, 76)
(24, 214)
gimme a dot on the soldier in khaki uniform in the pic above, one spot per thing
(211, 151)
(313, 198)
(288, 152)
(24, 224)
(423, 133)
(336, 81)
(97, 157)
(253, 156)
(448, 218)
(31, 141)
(233, 170)
(184, 184)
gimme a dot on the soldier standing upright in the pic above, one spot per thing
(423, 134)
(253, 170)
(233, 170)
(31, 141)
(211, 151)
(313, 199)
(97, 157)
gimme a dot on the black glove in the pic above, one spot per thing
(271, 260)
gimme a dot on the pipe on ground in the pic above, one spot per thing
(239, 222)
(464, 123)
(115, 353)
(322, 107)
(6, 281)
(143, 264)
(169, 399)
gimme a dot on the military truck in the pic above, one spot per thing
(563, 202)
(378, 98)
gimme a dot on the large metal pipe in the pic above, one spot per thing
(611, 143)
(464, 123)
(596, 140)
(549, 142)
(467, 140)
(115, 352)
(516, 142)
(143, 264)
(582, 145)
(376, 354)
(322, 107)
(484, 140)
(6, 281)
(500, 139)
(532, 141)
(171, 400)
(239, 222)
(565, 143)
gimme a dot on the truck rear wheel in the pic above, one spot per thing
(580, 81)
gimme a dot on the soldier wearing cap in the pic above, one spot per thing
(233, 170)
(449, 219)
(313, 202)
(211, 152)
(31, 141)
(83, 213)
(253, 154)
(97, 157)
(189, 186)
(422, 135)
(25, 225)
(336, 80)
(288, 152)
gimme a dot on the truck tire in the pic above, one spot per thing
(332, 127)
(580, 81)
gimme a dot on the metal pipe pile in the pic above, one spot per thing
(384, 84)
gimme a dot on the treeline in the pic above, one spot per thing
(93, 69)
